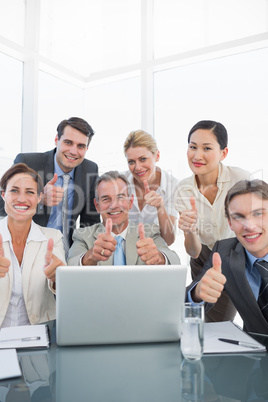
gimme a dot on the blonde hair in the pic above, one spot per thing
(140, 138)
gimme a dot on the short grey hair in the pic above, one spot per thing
(112, 175)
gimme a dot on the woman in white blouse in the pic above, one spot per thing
(199, 200)
(29, 253)
(152, 187)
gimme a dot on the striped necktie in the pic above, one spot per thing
(119, 256)
(262, 267)
(65, 221)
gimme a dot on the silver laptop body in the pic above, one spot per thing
(113, 305)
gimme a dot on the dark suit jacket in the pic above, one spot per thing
(237, 287)
(84, 178)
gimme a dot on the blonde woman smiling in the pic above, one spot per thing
(152, 187)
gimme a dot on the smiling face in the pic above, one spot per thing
(204, 152)
(141, 163)
(71, 148)
(249, 220)
(114, 203)
(21, 197)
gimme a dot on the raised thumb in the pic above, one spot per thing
(216, 261)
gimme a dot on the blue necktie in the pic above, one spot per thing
(262, 267)
(119, 256)
(65, 222)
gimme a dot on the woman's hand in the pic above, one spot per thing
(188, 218)
(4, 262)
(51, 262)
(151, 197)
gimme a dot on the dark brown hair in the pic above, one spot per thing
(17, 169)
(77, 123)
(258, 187)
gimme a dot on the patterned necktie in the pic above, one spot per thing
(65, 222)
(262, 267)
(119, 256)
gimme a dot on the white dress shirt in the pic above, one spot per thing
(148, 214)
(212, 224)
(16, 313)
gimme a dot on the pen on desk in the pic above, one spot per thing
(240, 343)
(29, 338)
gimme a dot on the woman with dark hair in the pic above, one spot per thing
(199, 199)
(29, 253)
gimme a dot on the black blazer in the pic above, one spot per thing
(85, 176)
(237, 287)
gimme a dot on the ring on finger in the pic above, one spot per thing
(102, 253)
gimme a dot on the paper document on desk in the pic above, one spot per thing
(213, 331)
(24, 337)
(9, 365)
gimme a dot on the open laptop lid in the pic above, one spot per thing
(108, 304)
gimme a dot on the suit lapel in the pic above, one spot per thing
(33, 248)
(239, 284)
(47, 175)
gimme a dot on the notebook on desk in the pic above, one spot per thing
(113, 305)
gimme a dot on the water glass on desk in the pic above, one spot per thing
(192, 336)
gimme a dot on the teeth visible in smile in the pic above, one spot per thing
(21, 208)
(69, 157)
(114, 213)
(141, 174)
(252, 236)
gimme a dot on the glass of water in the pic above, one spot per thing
(192, 336)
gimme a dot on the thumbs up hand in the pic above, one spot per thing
(51, 262)
(105, 244)
(151, 197)
(4, 262)
(211, 284)
(147, 249)
(188, 218)
(52, 194)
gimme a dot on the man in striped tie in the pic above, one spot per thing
(239, 265)
(117, 240)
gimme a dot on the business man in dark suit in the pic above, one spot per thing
(239, 266)
(72, 141)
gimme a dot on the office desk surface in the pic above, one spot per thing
(135, 373)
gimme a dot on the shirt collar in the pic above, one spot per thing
(253, 259)
(122, 234)
(59, 171)
(35, 233)
(224, 174)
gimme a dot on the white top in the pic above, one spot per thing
(148, 214)
(16, 313)
(212, 224)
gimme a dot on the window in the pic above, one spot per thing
(11, 109)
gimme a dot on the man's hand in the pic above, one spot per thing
(103, 248)
(147, 249)
(188, 218)
(211, 284)
(151, 197)
(52, 194)
(51, 262)
(4, 262)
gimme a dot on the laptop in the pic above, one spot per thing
(119, 304)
